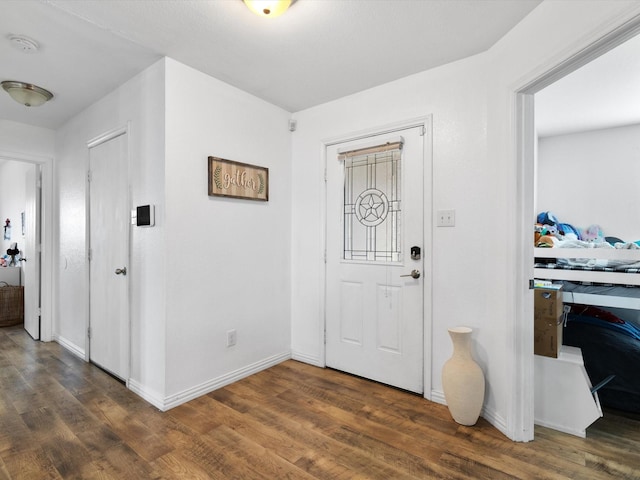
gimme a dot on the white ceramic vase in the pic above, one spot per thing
(462, 379)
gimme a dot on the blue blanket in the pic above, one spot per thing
(608, 351)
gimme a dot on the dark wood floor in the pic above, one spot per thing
(63, 418)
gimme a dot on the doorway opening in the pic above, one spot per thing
(527, 148)
(39, 286)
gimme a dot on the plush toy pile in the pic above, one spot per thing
(549, 231)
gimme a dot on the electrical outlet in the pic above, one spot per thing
(232, 338)
(446, 218)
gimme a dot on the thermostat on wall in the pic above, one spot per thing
(143, 216)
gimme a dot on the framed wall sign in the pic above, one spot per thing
(239, 180)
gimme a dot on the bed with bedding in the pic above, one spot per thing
(586, 262)
(597, 277)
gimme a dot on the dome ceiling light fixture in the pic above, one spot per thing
(27, 94)
(268, 8)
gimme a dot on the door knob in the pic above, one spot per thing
(413, 274)
(121, 271)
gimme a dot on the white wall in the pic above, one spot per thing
(456, 97)
(474, 172)
(25, 140)
(228, 260)
(209, 264)
(138, 103)
(592, 178)
(12, 201)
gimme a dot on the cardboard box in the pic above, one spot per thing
(547, 337)
(547, 327)
(547, 303)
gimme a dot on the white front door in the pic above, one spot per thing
(109, 256)
(374, 305)
(31, 252)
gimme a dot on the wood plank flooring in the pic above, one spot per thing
(63, 418)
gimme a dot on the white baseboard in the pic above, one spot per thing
(496, 420)
(562, 428)
(176, 399)
(488, 414)
(153, 397)
(70, 346)
(304, 358)
(437, 396)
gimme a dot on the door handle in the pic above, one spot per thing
(413, 274)
(121, 271)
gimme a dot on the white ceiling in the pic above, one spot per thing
(604, 93)
(317, 51)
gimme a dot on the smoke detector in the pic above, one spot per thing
(24, 44)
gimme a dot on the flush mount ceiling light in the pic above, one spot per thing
(27, 94)
(268, 8)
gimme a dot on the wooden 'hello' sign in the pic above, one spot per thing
(239, 180)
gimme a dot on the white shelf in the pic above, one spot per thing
(601, 300)
(617, 278)
(599, 253)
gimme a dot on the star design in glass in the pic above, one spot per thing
(371, 207)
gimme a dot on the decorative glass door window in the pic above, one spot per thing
(372, 197)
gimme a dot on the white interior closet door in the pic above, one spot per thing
(31, 252)
(109, 215)
(374, 292)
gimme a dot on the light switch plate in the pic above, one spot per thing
(446, 218)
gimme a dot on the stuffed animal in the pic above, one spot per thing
(544, 235)
(545, 241)
(547, 218)
(568, 231)
(552, 230)
(593, 233)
